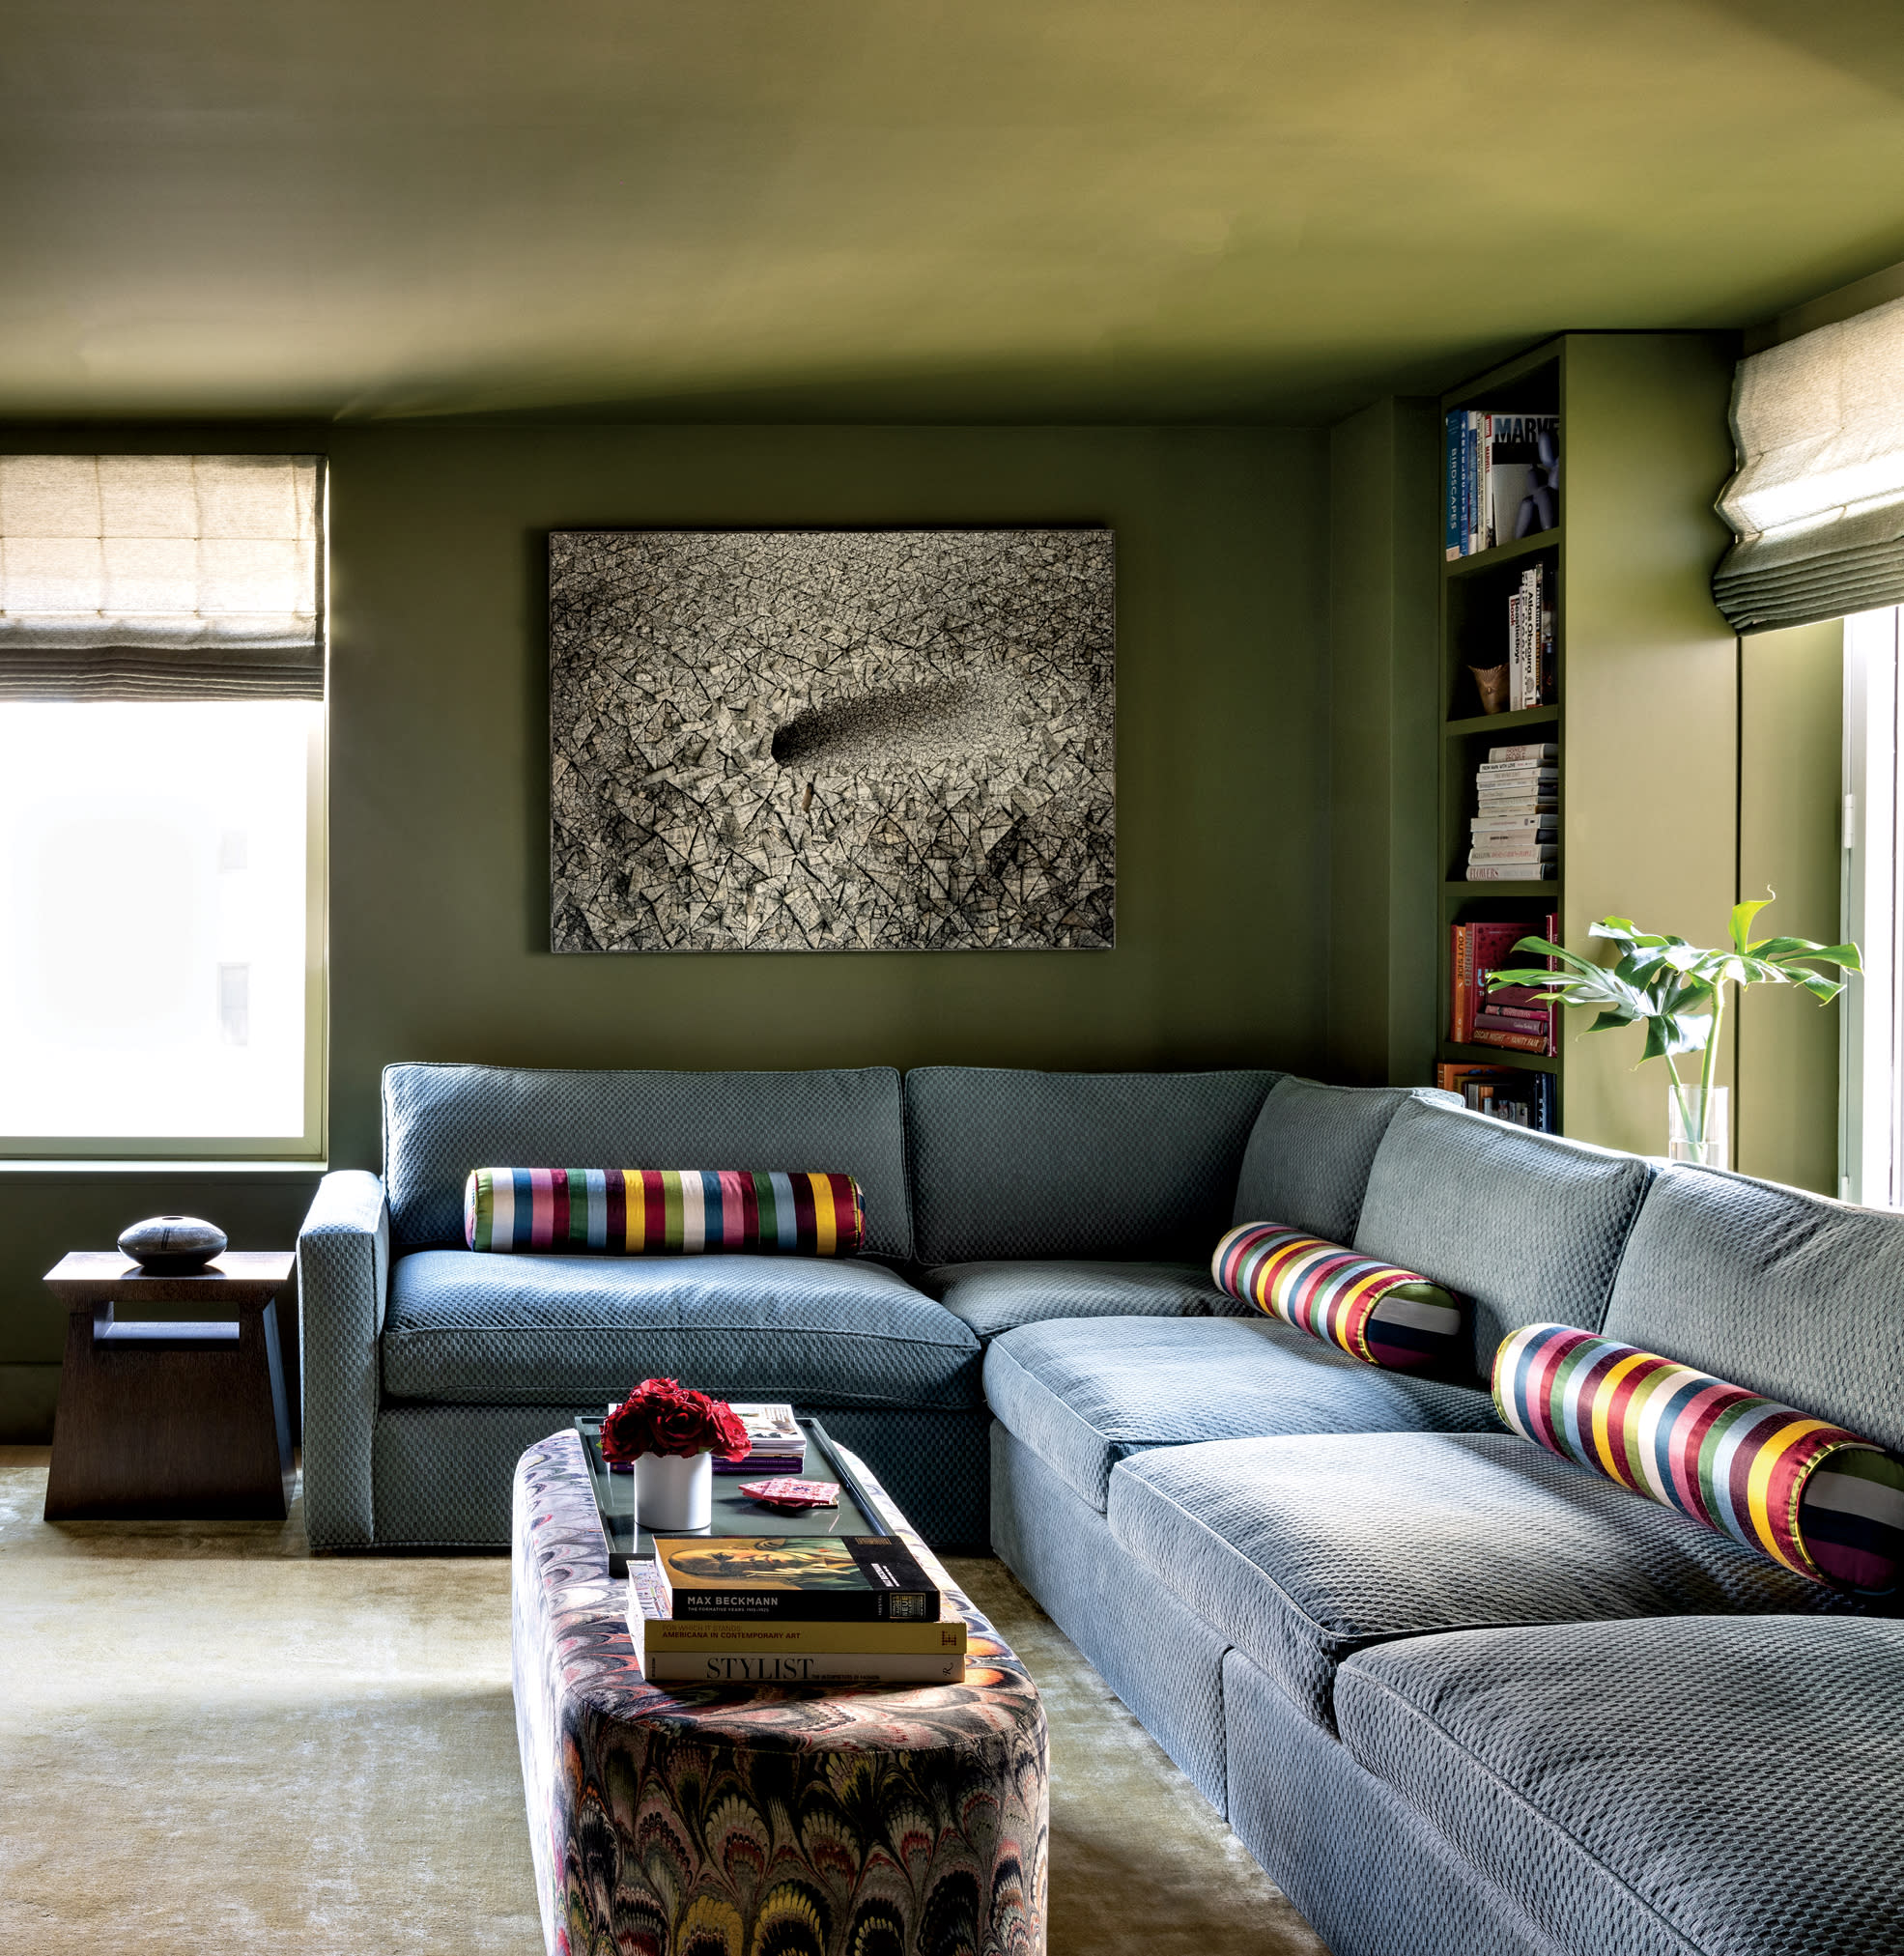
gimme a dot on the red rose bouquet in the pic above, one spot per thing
(663, 1416)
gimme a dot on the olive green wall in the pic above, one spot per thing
(439, 783)
(1384, 539)
(439, 776)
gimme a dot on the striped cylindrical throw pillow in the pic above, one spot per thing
(662, 1211)
(1374, 1312)
(1809, 1494)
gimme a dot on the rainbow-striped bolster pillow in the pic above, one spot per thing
(662, 1211)
(1375, 1313)
(1809, 1494)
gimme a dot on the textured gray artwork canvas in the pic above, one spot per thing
(802, 740)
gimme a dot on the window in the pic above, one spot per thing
(162, 769)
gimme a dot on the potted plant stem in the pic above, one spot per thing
(1678, 991)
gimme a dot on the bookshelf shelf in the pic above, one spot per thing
(1494, 1056)
(1499, 722)
(1637, 657)
(1502, 554)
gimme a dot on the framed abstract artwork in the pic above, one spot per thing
(832, 740)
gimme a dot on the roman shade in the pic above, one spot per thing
(1818, 502)
(160, 576)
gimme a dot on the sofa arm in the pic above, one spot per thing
(343, 1282)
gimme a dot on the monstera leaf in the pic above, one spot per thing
(1674, 988)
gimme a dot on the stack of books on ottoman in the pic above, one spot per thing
(791, 1609)
(775, 1445)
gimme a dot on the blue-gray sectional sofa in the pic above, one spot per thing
(1454, 1693)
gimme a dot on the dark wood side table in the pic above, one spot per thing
(170, 1419)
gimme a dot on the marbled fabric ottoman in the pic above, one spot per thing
(688, 1821)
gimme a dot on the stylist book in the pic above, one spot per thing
(711, 1651)
(801, 1578)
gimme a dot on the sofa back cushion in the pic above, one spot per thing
(1785, 1293)
(442, 1121)
(1309, 1155)
(1527, 1227)
(1007, 1163)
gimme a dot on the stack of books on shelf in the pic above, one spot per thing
(1517, 1018)
(1503, 478)
(1514, 835)
(1530, 656)
(791, 1609)
(1521, 1098)
(778, 1445)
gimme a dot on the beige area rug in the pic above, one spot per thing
(211, 1741)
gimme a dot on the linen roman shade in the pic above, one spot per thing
(160, 576)
(1818, 502)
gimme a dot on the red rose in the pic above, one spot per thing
(663, 1416)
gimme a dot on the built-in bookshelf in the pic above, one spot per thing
(1639, 694)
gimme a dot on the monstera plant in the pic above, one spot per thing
(1678, 992)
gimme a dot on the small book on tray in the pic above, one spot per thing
(777, 1445)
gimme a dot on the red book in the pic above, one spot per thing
(1513, 1042)
(1493, 951)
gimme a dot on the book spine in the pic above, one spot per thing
(1548, 655)
(802, 1667)
(1517, 693)
(1539, 751)
(1451, 436)
(1489, 538)
(1512, 1042)
(1504, 872)
(1467, 486)
(742, 1607)
(1463, 1016)
(893, 1639)
(1474, 453)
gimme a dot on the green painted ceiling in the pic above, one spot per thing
(906, 208)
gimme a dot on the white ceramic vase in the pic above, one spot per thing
(671, 1491)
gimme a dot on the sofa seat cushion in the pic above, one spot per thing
(568, 1331)
(1701, 1785)
(1084, 1394)
(1002, 1293)
(1303, 1551)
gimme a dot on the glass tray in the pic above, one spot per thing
(733, 1513)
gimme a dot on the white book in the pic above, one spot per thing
(1538, 750)
(771, 1427)
(802, 1667)
(1505, 873)
(1517, 687)
(1511, 824)
(1517, 771)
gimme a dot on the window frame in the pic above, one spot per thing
(308, 1148)
(1871, 1019)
